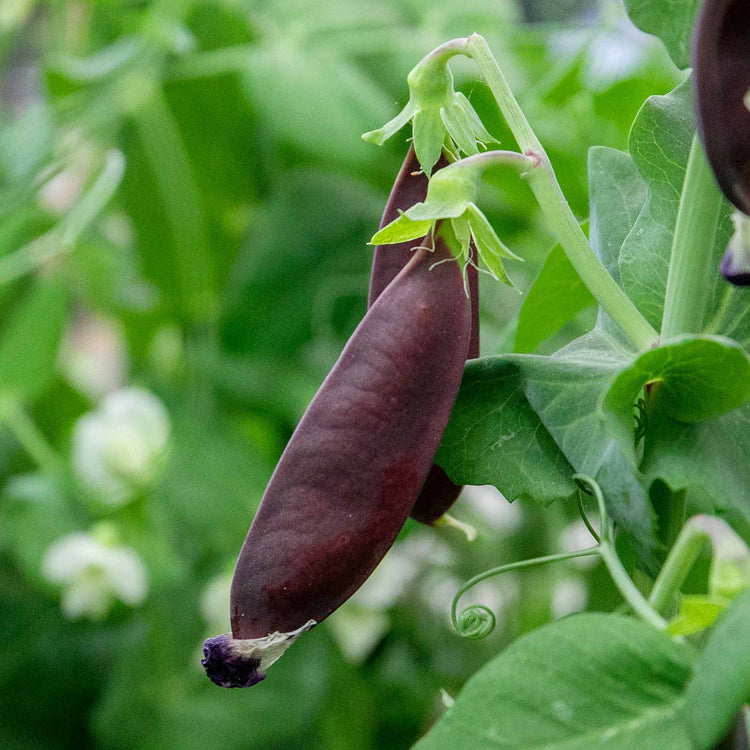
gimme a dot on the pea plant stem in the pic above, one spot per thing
(624, 583)
(681, 558)
(628, 589)
(518, 565)
(546, 188)
(691, 259)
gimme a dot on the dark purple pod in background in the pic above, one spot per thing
(352, 470)
(735, 265)
(410, 187)
(721, 63)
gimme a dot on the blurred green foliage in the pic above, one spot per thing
(223, 268)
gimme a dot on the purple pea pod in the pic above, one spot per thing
(721, 65)
(352, 470)
(410, 187)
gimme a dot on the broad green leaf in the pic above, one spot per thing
(721, 679)
(696, 614)
(31, 338)
(564, 390)
(538, 319)
(732, 317)
(495, 437)
(671, 20)
(710, 456)
(402, 229)
(585, 682)
(513, 410)
(693, 379)
(659, 143)
(617, 193)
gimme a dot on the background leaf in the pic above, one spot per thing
(538, 319)
(671, 20)
(31, 338)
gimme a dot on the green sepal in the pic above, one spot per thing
(480, 132)
(489, 246)
(402, 229)
(459, 127)
(380, 136)
(462, 232)
(449, 193)
(429, 134)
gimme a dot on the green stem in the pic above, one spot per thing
(681, 558)
(624, 583)
(628, 589)
(690, 264)
(675, 517)
(31, 439)
(543, 182)
(588, 552)
(521, 163)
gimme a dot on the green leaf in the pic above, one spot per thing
(732, 318)
(495, 437)
(659, 144)
(721, 679)
(671, 20)
(696, 614)
(617, 193)
(585, 682)
(402, 229)
(538, 319)
(526, 423)
(314, 99)
(31, 338)
(693, 379)
(709, 456)
(163, 187)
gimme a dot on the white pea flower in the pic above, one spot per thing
(119, 450)
(94, 572)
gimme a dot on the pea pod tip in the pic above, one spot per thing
(241, 662)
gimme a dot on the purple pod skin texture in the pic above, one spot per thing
(352, 470)
(410, 187)
(721, 64)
